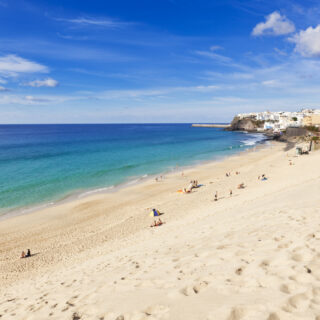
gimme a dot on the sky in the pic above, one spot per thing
(78, 61)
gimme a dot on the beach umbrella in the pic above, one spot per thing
(154, 213)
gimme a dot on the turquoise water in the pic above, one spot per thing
(44, 163)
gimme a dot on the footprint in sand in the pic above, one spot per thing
(76, 316)
(273, 316)
(237, 313)
(316, 296)
(195, 289)
(239, 271)
(156, 310)
(264, 264)
(297, 302)
(287, 288)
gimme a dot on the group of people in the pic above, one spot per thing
(216, 195)
(263, 177)
(26, 255)
(192, 184)
(157, 223)
(159, 178)
(228, 174)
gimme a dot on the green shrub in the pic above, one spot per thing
(312, 128)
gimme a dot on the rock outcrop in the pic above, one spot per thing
(245, 124)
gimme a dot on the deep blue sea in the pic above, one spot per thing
(41, 164)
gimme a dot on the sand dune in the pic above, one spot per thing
(254, 255)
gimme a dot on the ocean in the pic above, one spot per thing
(43, 164)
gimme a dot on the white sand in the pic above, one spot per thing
(253, 256)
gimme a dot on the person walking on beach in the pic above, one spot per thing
(230, 193)
(216, 196)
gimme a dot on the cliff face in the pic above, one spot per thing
(245, 124)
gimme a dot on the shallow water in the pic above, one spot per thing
(45, 163)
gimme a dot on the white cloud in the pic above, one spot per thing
(280, 52)
(308, 42)
(49, 82)
(271, 83)
(3, 89)
(100, 22)
(215, 56)
(215, 48)
(204, 88)
(6, 99)
(151, 93)
(275, 24)
(12, 65)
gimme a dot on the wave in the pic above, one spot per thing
(253, 139)
(90, 192)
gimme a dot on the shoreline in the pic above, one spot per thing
(131, 181)
(82, 214)
(252, 253)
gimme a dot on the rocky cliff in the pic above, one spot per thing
(246, 124)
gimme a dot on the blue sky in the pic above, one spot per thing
(156, 61)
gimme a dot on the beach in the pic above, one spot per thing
(252, 255)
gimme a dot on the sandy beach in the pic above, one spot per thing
(252, 255)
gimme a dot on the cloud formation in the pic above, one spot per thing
(215, 48)
(49, 82)
(215, 56)
(12, 65)
(308, 42)
(101, 22)
(275, 25)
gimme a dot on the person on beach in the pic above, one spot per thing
(216, 196)
(157, 223)
(230, 193)
(227, 175)
(24, 255)
(184, 190)
(241, 186)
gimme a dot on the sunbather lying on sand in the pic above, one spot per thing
(241, 186)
